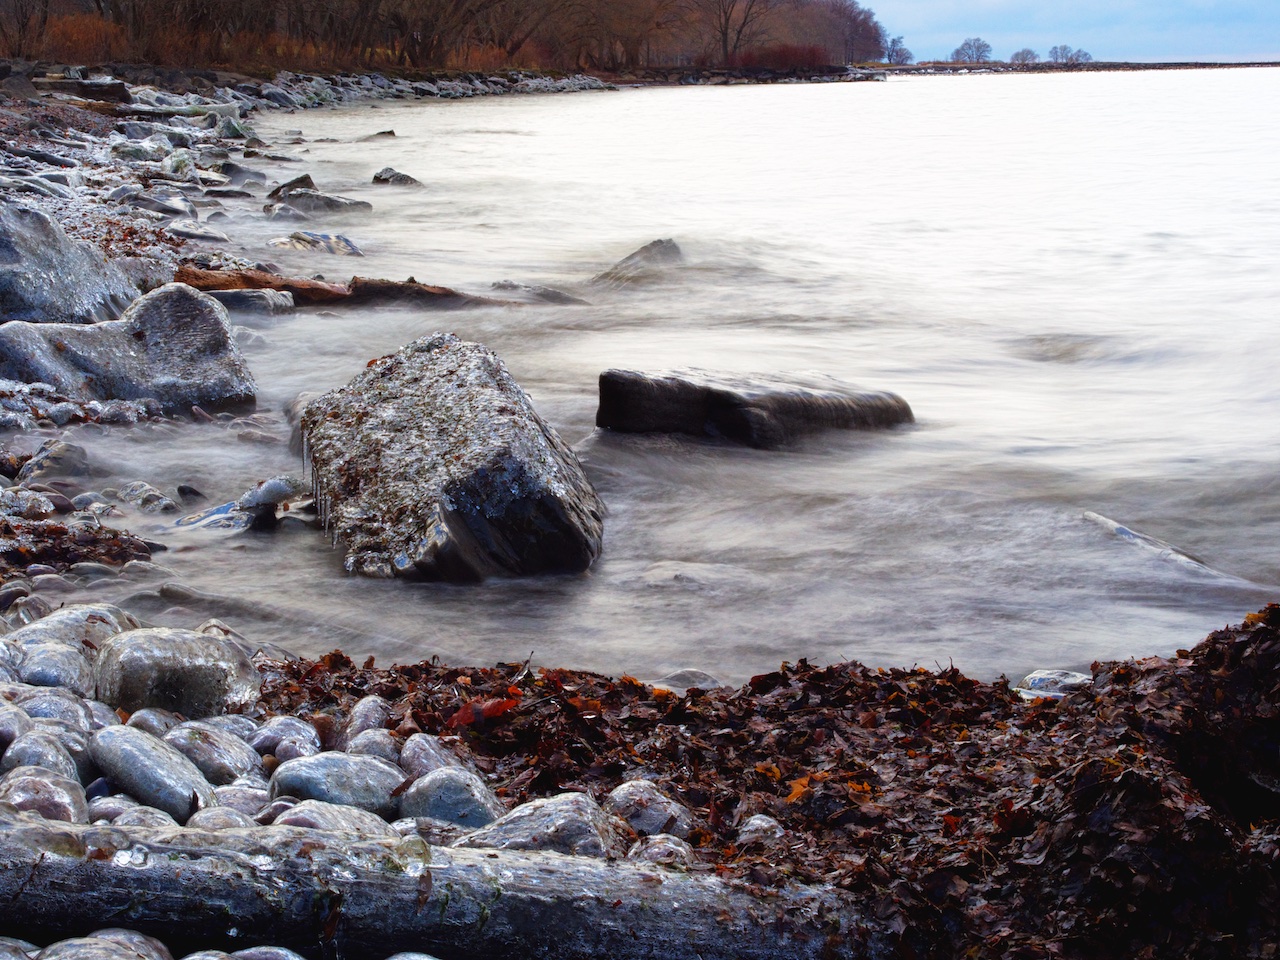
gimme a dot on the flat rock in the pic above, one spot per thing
(570, 823)
(342, 778)
(195, 674)
(46, 277)
(152, 771)
(433, 464)
(173, 345)
(314, 202)
(758, 412)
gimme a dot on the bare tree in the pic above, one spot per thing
(1080, 56)
(895, 51)
(1024, 56)
(973, 50)
(735, 24)
(22, 25)
(1060, 54)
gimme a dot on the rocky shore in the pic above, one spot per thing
(186, 792)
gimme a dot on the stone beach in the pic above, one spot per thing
(207, 793)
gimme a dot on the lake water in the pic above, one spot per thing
(1072, 279)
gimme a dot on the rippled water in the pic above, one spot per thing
(1071, 278)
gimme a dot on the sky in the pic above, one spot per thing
(1149, 30)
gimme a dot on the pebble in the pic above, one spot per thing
(369, 713)
(154, 721)
(152, 771)
(220, 818)
(144, 816)
(453, 795)
(376, 743)
(291, 748)
(57, 665)
(760, 828)
(86, 948)
(148, 948)
(268, 736)
(662, 848)
(108, 808)
(424, 752)
(14, 722)
(242, 798)
(58, 704)
(343, 778)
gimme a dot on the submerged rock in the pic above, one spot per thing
(334, 243)
(433, 464)
(46, 277)
(395, 178)
(313, 201)
(173, 345)
(758, 412)
(255, 301)
(649, 260)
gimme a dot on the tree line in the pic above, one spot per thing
(977, 50)
(612, 35)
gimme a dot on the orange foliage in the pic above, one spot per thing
(83, 37)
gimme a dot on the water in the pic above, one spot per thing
(1071, 278)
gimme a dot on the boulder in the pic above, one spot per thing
(313, 201)
(758, 412)
(643, 264)
(395, 178)
(433, 464)
(173, 345)
(46, 277)
(343, 778)
(151, 771)
(194, 674)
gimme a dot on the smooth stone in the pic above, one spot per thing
(172, 345)
(395, 178)
(220, 818)
(195, 674)
(313, 201)
(433, 464)
(147, 948)
(86, 948)
(243, 799)
(57, 665)
(55, 458)
(368, 713)
(424, 752)
(147, 498)
(644, 264)
(759, 412)
(154, 721)
(234, 723)
(376, 743)
(647, 810)
(453, 795)
(267, 815)
(760, 828)
(334, 817)
(1054, 684)
(145, 816)
(76, 742)
(14, 722)
(538, 293)
(12, 948)
(152, 771)
(570, 823)
(101, 715)
(110, 807)
(291, 748)
(45, 277)
(38, 748)
(76, 625)
(355, 781)
(267, 953)
(39, 790)
(662, 848)
(334, 243)
(436, 833)
(220, 755)
(192, 230)
(58, 704)
(268, 736)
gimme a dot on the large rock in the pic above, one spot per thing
(46, 277)
(433, 464)
(174, 345)
(152, 771)
(758, 412)
(195, 674)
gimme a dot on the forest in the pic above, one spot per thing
(318, 35)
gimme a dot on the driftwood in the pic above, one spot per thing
(411, 293)
(303, 290)
(327, 895)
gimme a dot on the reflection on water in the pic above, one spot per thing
(1070, 278)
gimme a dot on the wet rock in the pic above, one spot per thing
(648, 810)
(145, 816)
(270, 302)
(152, 771)
(410, 293)
(171, 205)
(315, 202)
(342, 778)
(42, 791)
(644, 264)
(334, 243)
(147, 498)
(757, 412)
(760, 828)
(453, 795)
(243, 798)
(268, 736)
(678, 681)
(369, 713)
(14, 722)
(154, 721)
(303, 290)
(1054, 684)
(109, 807)
(538, 293)
(570, 823)
(375, 743)
(267, 953)
(12, 948)
(191, 230)
(56, 704)
(57, 665)
(195, 674)
(291, 748)
(36, 748)
(395, 178)
(172, 345)
(319, 815)
(433, 464)
(45, 277)
(303, 182)
(220, 818)
(236, 724)
(101, 715)
(86, 948)
(55, 458)
(662, 848)
(221, 756)
(424, 752)
(147, 948)
(283, 213)
(267, 815)
(76, 742)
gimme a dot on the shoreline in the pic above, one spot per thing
(938, 814)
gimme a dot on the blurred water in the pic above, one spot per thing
(1071, 278)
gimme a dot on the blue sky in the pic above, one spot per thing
(1108, 29)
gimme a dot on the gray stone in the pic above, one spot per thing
(267, 953)
(12, 948)
(760, 828)
(154, 721)
(14, 722)
(220, 818)
(291, 748)
(424, 752)
(243, 798)
(195, 674)
(334, 817)
(45, 277)
(369, 713)
(151, 771)
(57, 665)
(221, 756)
(172, 345)
(108, 808)
(303, 182)
(101, 715)
(191, 230)
(644, 264)
(395, 178)
(266, 738)
(147, 498)
(145, 816)
(1053, 684)
(255, 301)
(433, 464)
(376, 743)
(86, 948)
(234, 723)
(570, 823)
(38, 748)
(315, 202)
(76, 742)
(56, 704)
(662, 848)
(453, 795)
(147, 948)
(355, 781)
(758, 412)
(648, 810)
(39, 790)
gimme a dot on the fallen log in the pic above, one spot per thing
(411, 293)
(303, 290)
(327, 895)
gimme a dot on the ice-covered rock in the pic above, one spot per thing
(342, 778)
(432, 463)
(648, 810)
(152, 771)
(453, 795)
(569, 823)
